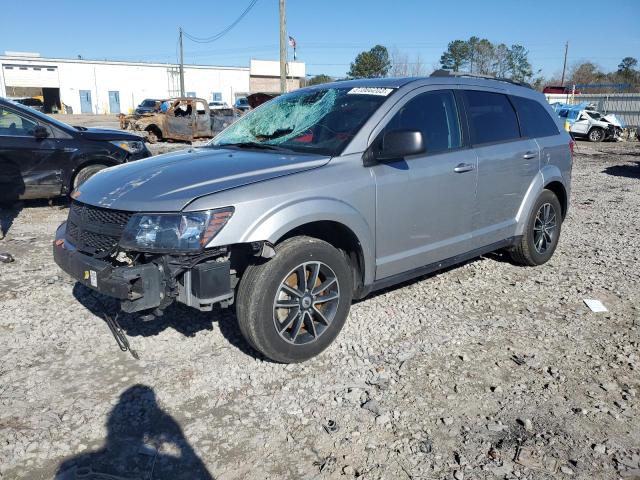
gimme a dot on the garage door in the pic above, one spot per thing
(31, 76)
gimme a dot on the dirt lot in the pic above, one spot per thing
(487, 370)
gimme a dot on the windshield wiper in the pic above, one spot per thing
(256, 145)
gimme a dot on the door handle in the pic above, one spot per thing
(464, 167)
(529, 155)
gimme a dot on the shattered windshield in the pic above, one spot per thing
(319, 121)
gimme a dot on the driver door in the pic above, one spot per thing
(180, 121)
(425, 203)
(28, 165)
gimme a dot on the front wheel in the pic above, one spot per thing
(596, 134)
(293, 306)
(542, 232)
(85, 173)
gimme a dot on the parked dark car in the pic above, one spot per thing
(41, 157)
(148, 105)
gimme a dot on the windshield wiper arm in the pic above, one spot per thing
(256, 145)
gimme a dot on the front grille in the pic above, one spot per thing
(95, 230)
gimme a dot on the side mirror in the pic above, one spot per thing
(399, 144)
(40, 132)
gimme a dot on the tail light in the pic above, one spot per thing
(572, 145)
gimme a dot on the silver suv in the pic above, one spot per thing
(321, 196)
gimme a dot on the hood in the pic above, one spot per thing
(106, 134)
(169, 182)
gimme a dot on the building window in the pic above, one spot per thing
(216, 96)
(9, 68)
(191, 94)
(23, 68)
(51, 69)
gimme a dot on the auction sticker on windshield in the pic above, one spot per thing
(383, 92)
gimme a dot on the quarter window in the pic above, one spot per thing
(491, 117)
(534, 119)
(435, 115)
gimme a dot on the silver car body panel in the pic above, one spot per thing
(404, 214)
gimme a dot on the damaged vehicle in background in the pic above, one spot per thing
(186, 119)
(41, 157)
(583, 121)
(321, 196)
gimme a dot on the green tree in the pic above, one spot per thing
(456, 56)
(518, 61)
(318, 79)
(374, 63)
(627, 65)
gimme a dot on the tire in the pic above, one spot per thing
(532, 250)
(153, 135)
(285, 334)
(596, 134)
(85, 173)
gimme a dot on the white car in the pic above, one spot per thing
(218, 105)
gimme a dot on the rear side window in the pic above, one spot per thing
(534, 119)
(491, 117)
(435, 115)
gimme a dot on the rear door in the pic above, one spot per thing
(507, 164)
(424, 203)
(29, 167)
(180, 121)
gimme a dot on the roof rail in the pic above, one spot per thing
(450, 73)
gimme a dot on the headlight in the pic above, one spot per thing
(131, 146)
(173, 232)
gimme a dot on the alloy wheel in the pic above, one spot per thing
(306, 303)
(544, 228)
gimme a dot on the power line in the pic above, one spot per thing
(219, 35)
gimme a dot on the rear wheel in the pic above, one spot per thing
(85, 173)
(292, 307)
(542, 232)
(596, 134)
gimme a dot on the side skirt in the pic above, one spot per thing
(433, 267)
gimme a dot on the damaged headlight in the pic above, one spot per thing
(131, 146)
(173, 232)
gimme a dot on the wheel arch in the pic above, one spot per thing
(87, 162)
(325, 218)
(550, 178)
(341, 237)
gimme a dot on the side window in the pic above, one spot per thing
(200, 108)
(13, 124)
(491, 117)
(435, 115)
(534, 119)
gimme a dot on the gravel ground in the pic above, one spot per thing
(487, 370)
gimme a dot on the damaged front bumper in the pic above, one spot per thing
(148, 286)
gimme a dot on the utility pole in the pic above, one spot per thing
(283, 48)
(181, 66)
(564, 67)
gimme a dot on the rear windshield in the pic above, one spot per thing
(319, 121)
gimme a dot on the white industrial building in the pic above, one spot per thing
(96, 86)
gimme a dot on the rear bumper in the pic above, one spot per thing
(138, 287)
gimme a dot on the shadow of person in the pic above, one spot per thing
(143, 443)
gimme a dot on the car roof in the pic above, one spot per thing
(454, 80)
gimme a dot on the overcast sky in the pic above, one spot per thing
(329, 33)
